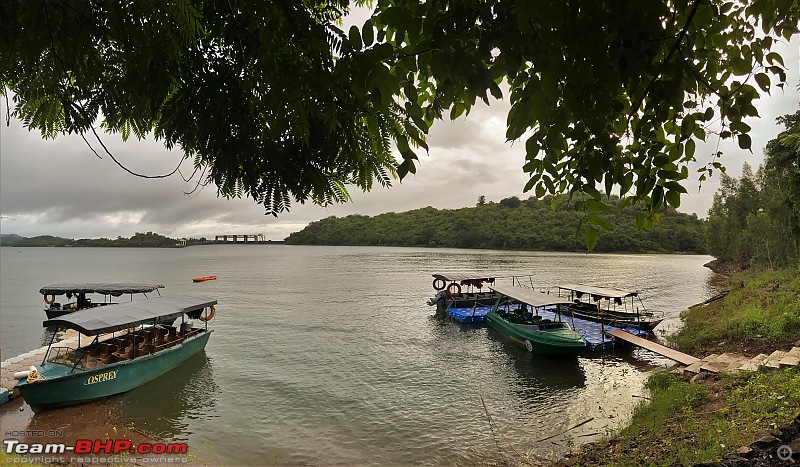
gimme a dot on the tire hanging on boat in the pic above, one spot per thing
(51, 300)
(452, 287)
(210, 316)
(439, 283)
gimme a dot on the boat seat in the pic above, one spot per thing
(161, 335)
(149, 336)
(103, 350)
(121, 344)
(112, 358)
(126, 354)
(136, 340)
(96, 351)
(149, 348)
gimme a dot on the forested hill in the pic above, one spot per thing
(509, 224)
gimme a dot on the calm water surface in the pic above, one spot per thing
(330, 355)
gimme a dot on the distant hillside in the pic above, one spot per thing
(43, 240)
(509, 224)
(140, 240)
(9, 239)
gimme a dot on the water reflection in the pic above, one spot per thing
(163, 406)
(538, 373)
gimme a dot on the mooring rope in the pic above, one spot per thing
(35, 376)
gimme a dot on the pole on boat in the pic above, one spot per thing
(55, 331)
(602, 322)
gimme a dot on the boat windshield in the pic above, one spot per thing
(77, 358)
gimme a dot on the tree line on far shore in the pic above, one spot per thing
(510, 224)
(139, 240)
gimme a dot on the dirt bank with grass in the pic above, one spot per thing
(728, 419)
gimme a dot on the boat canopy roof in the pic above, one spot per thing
(465, 276)
(531, 297)
(598, 292)
(110, 318)
(109, 288)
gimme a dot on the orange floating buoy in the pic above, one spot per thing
(204, 278)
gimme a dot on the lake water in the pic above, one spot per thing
(330, 355)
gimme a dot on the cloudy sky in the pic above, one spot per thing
(60, 187)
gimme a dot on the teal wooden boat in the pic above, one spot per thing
(515, 316)
(142, 352)
(80, 291)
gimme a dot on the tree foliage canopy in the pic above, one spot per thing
(756, 219)
(277, 102)
(510, 224)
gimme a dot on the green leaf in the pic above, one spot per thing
(590, 238)
(690, 148)
(763, 81)
(596, 206)
(773, 57)
(745, 142)
(741, 127)
(594, 219)
(673, 198)
(368, 33)
(355, 38)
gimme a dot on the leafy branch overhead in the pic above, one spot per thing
(277, 102)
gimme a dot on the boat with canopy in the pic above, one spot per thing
(468, 290)
(607, 305)
(137, 350)
(516, 317)
(80, 290)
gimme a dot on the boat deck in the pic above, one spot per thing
(592, 332)
(469, 315)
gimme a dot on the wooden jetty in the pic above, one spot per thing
(654, 347)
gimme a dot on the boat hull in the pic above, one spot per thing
(555, 342)
(62, 390)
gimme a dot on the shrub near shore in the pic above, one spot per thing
(690, 422)
(701, 421)
(760, 314)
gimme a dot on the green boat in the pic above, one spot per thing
(142, 352)
(512, 318)
(80, 291)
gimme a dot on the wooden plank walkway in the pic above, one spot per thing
(654, 347)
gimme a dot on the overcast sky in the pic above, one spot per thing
(59, 187)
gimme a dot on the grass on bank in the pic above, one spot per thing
(691, 422)
(762, 311)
